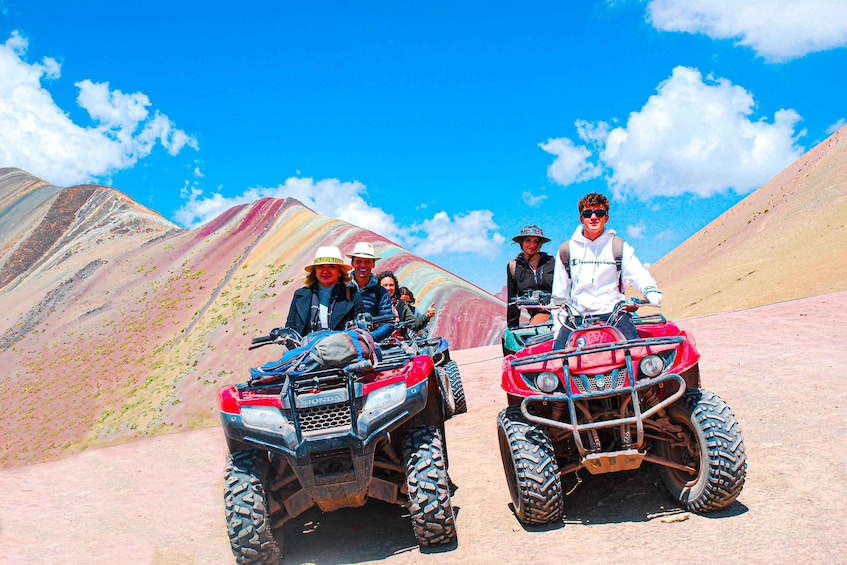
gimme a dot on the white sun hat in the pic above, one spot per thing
(365, 250)
(326, 255)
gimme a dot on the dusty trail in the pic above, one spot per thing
(779, 367)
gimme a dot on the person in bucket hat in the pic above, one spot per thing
(375, 298)
(327, 301)
(530, 230)
(531, 270)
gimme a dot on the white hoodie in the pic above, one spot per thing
(592, 287)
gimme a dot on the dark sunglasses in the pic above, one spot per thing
(589, 213)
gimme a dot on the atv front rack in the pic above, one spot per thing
(598, 348)
(630, 386)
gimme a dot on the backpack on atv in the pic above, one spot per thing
(332, 424)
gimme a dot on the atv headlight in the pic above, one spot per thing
(546, 381)
(652, 365)
(264, 418)
(386, 398)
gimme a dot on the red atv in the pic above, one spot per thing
(606, 404)
(331, 424)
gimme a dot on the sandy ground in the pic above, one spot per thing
(780, 368)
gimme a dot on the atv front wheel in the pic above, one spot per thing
(429, 490)
(531, 469)
(711, 443)
(247, 517)
(455, 379)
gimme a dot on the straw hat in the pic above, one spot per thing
(531, 230)
(365, 250)
(327, 255)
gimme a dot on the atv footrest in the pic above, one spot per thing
(626, 460)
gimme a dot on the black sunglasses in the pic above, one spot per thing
(589, 213)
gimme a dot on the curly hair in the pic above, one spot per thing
(391, 274)
(593, 199)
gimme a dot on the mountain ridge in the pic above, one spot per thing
(785, 240)
(129, 324)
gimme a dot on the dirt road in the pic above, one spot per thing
(781, 368)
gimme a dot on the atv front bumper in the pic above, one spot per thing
(638, 414)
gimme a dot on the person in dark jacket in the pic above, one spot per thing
(326, 301)
(402, 311)
(375, 298)
(531, 270)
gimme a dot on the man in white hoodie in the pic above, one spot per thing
(597, 272)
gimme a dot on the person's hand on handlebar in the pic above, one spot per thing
(653, 296)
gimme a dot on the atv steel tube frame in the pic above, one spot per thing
(638, 417)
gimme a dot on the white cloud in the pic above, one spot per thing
(571, 164)
(778, 30)
(835, 127)
(38, 136)
(533, 200)
(694, 136)
(474, 232)
(667, 235)
(636, 231)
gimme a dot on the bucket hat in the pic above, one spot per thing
(365, 250)
(327, 255)
(530, 230)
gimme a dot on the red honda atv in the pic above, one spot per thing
(331, 428)
(606, 404)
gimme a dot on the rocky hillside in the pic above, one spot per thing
(787, 240)
(116, 323)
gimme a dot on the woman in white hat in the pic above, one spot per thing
(326, 301)
(531, 270)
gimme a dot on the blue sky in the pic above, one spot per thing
(444, 126)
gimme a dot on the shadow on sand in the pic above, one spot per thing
(629, 496)
(372, 532)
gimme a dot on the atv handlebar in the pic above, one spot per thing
(369, 322)
(535, 298)
(261, 339)
(283, 336)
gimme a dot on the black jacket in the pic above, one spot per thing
(525, 280)
(344, 305)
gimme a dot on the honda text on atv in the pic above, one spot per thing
(606, 404)
(449, 378)
(330, 424)
(527, 333)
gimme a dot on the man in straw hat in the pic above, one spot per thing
(376, 299)
(326, 301)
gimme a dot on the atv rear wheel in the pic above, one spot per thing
(446, 392)
(247, 517)
(455, 379)
(429, 490)
(531, 469)
(711, 443)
